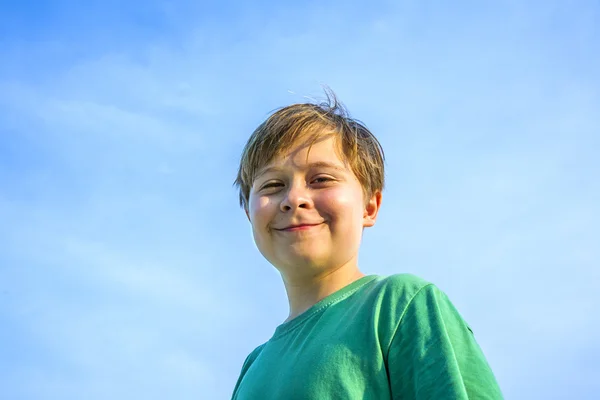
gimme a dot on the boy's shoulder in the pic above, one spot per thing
(406, 285)
(391, 297)
(252, 356)
(403, 279)
(248, 362)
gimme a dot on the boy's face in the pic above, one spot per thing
(308, 211)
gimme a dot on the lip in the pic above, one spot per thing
(299, 227)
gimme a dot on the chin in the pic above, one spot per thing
(306, 261)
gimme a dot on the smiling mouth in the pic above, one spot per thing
(298, 228)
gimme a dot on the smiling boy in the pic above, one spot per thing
(310, 181)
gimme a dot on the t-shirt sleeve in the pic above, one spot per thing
(433, 353)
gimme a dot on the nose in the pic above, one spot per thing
(297, 196)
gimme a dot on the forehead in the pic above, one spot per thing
(319, 150)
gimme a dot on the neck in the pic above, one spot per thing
(305, 292)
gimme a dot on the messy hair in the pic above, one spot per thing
(280, 131)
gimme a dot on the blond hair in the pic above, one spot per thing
(283, 128)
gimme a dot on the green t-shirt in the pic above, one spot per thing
(395, 337)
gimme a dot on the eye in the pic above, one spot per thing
(322, 179)
(271, 185)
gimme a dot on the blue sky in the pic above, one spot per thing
(127, 269)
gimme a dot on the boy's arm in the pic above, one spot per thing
(434, 355)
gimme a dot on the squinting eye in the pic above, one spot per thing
(322, 179)
(271, 185)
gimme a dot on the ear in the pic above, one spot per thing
(371, 209)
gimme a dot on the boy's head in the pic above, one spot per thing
(310, 179)
(309, 121)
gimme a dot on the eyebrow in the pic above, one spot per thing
(317, 164)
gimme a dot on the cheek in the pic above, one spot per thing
(342, 204)
(261, 209)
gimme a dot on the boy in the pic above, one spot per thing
(310, 181)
